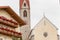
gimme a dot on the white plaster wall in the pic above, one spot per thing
(5, 14)
(4, 37)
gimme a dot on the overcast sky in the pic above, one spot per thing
(51, 8)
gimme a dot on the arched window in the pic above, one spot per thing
(24, 4)
(25, 13)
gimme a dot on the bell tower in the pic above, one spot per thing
(25, 10)
(25, 15)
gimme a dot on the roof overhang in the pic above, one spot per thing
(13, 14)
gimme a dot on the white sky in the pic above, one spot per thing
(38, 7)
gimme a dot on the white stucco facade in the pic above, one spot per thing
(45, 30)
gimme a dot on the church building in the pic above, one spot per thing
(44, 30)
